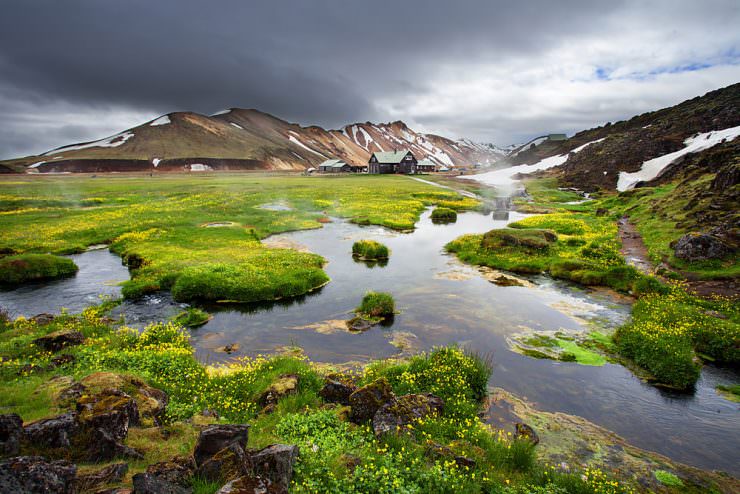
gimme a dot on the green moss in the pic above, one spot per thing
(577, 353)
(444, 215)
(26, 268)
(370, 250)
(668, 478)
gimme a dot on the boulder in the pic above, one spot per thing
(275, 462)
(366, 400)
(146, 483)
(700, 247)
(285, 385)
(436, 450)
(251, 485)
(229, 463)
(214, 438)
(524, 431)
(151, 402)
(404, 411)
(42, 319)
(35, 474)
(111, 410)
(178, 470)
(53, 342)
(11, 434)
(111, 473)
(60, 360)
(56, 432)
(102, 446)
(336, 391)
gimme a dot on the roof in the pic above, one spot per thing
(391, 156)
(426, 162)
(333, 163)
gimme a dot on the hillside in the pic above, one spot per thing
(239, 139)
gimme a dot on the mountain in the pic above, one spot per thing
(239, 139)
(664, 141)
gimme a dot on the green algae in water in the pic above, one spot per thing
(581, 355)
(731, 392)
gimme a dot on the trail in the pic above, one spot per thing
(633, 248)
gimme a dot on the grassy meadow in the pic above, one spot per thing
(199, 235)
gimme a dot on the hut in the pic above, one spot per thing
(426, 166)
(392, 162)
(334, 166)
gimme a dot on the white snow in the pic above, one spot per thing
(237, 125)
(368, 139)
(652, 168)
(292, 139)
(199, 167)
(443, 157)
(36, 165)
(505, 176)
(163, 120)
(156, 162)
(537, 141)
(103, 143)
(298, 156)
(222, 112)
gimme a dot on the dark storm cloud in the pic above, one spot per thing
(85, 67)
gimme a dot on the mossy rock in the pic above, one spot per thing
(366, 401)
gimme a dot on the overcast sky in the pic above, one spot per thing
(492, 71)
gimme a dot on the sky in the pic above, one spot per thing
(492, 71)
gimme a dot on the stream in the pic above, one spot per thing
(441, 301)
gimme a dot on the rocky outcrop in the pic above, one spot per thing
(177, 471)
(56, 432)
(526, 432)
(36, 475)
(111, 410)
(700, 247)
(150, 402)
(11, 434)
(284, 386)
(53, 342)
(275, 462)
(214, 438)
(403, 411)
(367, 400)
(110, 474)
(251, 485)
(145, 483)
(336, 390)
(229, 463)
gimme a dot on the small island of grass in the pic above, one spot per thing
(370, 250)
(192, 317)
(444, 215)
(375, 308)
(25, 268)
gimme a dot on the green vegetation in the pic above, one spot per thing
(444, 215)
(157, 224)
(24, 268)
(731, 392)
(558, 347)
(667, 478)
(338, 456)
(369, 250)
(192, 317)
(376, 304)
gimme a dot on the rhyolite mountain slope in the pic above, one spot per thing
(624, 146)
(239, 139)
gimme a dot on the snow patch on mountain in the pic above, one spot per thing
(163, 120)
(293, 139)
(108, 142)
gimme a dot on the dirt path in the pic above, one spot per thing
(633, 248)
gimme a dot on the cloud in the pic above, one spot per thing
(492, 71)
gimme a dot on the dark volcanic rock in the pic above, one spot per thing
(437, 450)
(43, 319)
(145, 483)
(700, 247)
(335, 391)
(524, 431)
(285, 385)
(214, 438)
(102, 446)
(53, 342)
(368, 399)
(229, 463)
(11, 434)
(35, 474)
(176, 471)
(251, 485)
(56, 432)
(112, 411)
(107, 475)
(275, 462)
(404, 410)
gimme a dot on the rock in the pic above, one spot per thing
(53, 342)
(151, 402)
(251, 485)
(70, 394)
(437, 450)
(602, 212)
(359, 324)
(111, 473)
(214, 438)
(111, 410)
(43, 319)
(285, 385)
(275, 462)
(335, 391)
(146, 483)
(366, 400)
(35, 474)
(55, 432)
(229, 463)
(700, 247)
(404, 411)
(60, 360)
(176, 471)
(102, 446)
(524, 431)
(350, 461)
(502, 280)
(11, 434)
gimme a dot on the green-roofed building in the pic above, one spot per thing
(402, 161)
(334, 166)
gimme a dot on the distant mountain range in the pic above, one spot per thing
(239, 139)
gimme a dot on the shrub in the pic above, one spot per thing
(370, 250)
(509, 237)
(377, 304)
(444, 215)
(24, 268)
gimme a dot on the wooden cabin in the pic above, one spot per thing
(426, 166)
(334, 166)
(392, 162)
